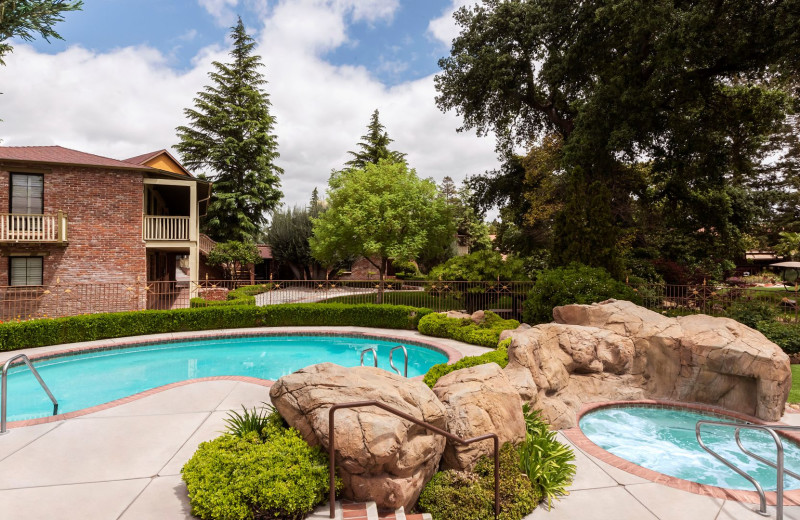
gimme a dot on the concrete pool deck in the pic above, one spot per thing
(124, 462)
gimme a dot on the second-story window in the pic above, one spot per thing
(27, 194)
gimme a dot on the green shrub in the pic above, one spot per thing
(751, 312)
(785, 335)
(276, 475)
(486, 334)
(89, 327)
(575, 283)
(547, 462)
(244, 295)
(469, 495)
(499, 356)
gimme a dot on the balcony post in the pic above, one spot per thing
(61, 231)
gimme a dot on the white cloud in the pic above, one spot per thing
(444, 28)
(221, 10)
(128, 101)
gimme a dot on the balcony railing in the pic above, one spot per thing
(166, 228)
(15, 227)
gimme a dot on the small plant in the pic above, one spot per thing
(751, 312)
(469, 495)
(547, 462)
(249, 421)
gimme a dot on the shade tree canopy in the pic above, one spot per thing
(25, 19)
(381, 212)
(689, 88)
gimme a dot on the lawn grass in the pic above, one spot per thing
(794, 393)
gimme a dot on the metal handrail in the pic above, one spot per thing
(427, 426)
(4, 389)
(391, 364)
(771, 429)
(374, 356)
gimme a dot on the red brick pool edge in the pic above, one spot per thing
(577, 437)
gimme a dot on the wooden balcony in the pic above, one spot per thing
(174, 229)
(15, 227)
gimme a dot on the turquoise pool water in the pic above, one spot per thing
(93, 378)
(663, 439)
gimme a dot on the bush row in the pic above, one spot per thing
(499, 356)
(39, 333)
(245, 295)
(785, 335)
(486, 334)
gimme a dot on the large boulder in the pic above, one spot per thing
(479, 400)
(568, 366)
(379, 456)
(694, 358)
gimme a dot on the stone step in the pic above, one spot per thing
(363, 511)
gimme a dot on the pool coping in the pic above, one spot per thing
(581, 441)
(453, 355)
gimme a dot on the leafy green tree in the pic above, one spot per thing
(233, 256)
(480, 266)
(382, 212)
(230, 133)
(288, 236)
(374, 146)
(24, 19)
(693, 86)
(789, 245)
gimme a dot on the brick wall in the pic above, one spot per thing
(104, 228)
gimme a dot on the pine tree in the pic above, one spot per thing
(230, 133)
(374, 146)
(22, 19)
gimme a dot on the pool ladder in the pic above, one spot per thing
(4, 389)
(391, 361)
(778, 465)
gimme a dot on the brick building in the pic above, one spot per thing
(77, 218)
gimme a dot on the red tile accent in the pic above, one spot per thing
(577, 437)
(354, 514)
(414, 517)
(354, 506)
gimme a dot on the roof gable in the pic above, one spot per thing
(161, 160)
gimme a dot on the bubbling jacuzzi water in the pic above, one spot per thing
(663, 440)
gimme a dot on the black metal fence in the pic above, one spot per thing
(504, 298)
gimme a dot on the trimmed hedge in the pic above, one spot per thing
(485, 334)
(244, 295)
(89, 327)
(499, 356)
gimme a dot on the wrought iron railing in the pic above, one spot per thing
(504, 298)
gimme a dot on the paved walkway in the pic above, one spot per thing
(124, 463)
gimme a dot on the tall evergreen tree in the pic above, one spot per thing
(24, 18)
(374, 146)
(230, 133)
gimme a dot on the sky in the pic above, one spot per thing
(119, 82)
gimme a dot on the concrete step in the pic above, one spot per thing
(363, 511)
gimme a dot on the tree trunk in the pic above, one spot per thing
(382, 270)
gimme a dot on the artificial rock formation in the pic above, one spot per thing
(379, 456)
(479, 400)
(616, 350)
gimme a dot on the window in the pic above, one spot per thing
(26, 270)
(27, 194)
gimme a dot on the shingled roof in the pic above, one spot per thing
(61, 155)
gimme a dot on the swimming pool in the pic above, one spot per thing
(663, 439)
(95, 377)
